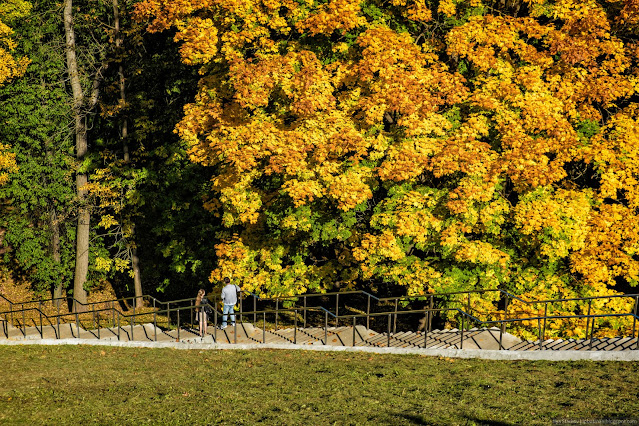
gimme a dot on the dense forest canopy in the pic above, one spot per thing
(436, 145)
(404, 146)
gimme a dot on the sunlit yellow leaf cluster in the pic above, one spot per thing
(10, 67)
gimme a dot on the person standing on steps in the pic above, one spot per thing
(229, 298)
(203, 310)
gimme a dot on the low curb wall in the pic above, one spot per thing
(547, 355)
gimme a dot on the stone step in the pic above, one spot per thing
(416, 340)
(6, 328)
(271, 337)
(444, 339)
(625, 343)
(488, 339)
(318, 334)
(295, 336)
(347, 336)
(184, 335)
(404, 339)
(245, 333)
(62, 331)
(23, 333)
(140, 332)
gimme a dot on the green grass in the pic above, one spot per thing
(108, 385)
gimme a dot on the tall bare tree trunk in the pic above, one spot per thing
(118, 46)
(84, 216)
(137, 277)
(135, 261)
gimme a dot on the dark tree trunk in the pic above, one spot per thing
(84, 216)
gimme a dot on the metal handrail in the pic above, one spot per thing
(23, 311)
(336, 316)
(305, 296)
(240, 314)
(550, 317)
(426, 311)
(509, 295)
(504, 292)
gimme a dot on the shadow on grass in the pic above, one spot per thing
(421, 420)
(414, 419)
(477, 421)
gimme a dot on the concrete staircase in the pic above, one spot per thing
(247, 333)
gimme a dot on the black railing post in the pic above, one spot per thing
(388, 330)
(395, 318)
(118, 326)
(295, 329)
(588, 317)
(178, 323)
(277, 311)
(368, 311)
(24, 322)
(503, 323)
(215, 320)
(254, 309)
(41, 328)
(304, 311)
(155, 323)
(336, 310)
(98, 320)
(461, 340)
(113, 313)
(426, 315)
(592, 332)
(543, 334)
(634, 318)
(325, 328)
(430, 316)
(241, 305)
(168, 314)
(354, 324)
(539, 331)
(57, 320)
(263, 327)
(468, 304)
(131, 321)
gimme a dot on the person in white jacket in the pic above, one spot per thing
(229, 298)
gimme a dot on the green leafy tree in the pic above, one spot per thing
(39, 197)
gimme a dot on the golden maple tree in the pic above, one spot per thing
(441, 146)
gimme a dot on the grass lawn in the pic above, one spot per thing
(104, 385)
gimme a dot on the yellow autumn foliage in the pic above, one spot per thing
(436, 147)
